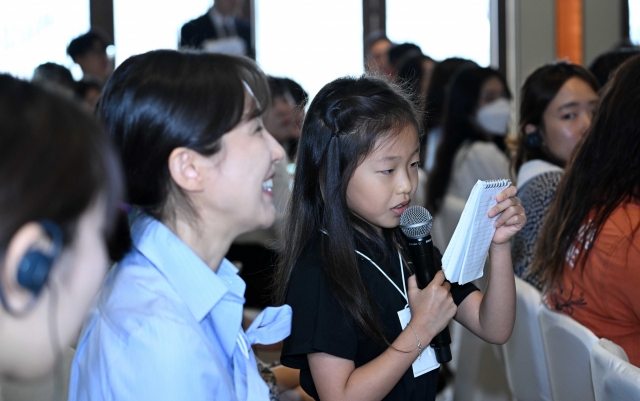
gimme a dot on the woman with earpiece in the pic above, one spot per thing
(199, 168)
(557, 104)
(59, 188)
(476, 118)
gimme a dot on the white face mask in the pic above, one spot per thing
(494, 117)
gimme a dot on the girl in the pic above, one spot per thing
(60, 182)
(199, 168)
(356, 173)
(476, 117)
(557, 105)
(587, 255)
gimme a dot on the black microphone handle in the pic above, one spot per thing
(426, 267)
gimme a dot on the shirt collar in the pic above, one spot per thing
(533, 168)
(196, 284)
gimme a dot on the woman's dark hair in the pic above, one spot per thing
(411, 73)
(603, 172)
(605, 64)
(399, 53)
(300, 96)
(161, 100)
(55, 161)
(458, 127)
(539, 89)
(80, 45)
(442, 73)
(344, 122)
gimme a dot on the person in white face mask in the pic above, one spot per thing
(557, 105)
(474, 124)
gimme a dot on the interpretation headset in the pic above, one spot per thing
(34, 267)
(534, 139)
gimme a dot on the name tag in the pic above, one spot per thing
(427, 361)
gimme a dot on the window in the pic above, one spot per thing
(634, 21)
(442, 29)
(144, 25)
(33, 32)
(311, 42)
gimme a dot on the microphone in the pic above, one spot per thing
(416, 223)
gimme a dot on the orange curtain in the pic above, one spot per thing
(569, 30)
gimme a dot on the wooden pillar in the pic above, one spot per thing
(569, 30)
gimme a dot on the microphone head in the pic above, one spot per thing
(416, 222)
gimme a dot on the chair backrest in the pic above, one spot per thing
(614, 378)
(567, 345)
(524, 357)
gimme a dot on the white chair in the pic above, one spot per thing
(614, 378)
(524, 358)
(567, 346)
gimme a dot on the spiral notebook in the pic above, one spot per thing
(463, 261)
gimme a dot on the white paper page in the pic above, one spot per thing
(481, 235)
(454, 254)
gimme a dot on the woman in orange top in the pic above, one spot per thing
(589, 248)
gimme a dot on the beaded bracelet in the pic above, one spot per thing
(420, 349)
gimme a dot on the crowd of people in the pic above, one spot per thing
(167, 218)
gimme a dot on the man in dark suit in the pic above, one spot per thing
(219, 31)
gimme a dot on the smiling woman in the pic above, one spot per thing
(198, 166)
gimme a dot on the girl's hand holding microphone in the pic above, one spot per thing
(432, 307)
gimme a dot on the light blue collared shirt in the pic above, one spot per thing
(167, 327)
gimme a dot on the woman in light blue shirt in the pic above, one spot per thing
(199, 167)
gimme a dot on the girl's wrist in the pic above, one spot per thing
(506, 246)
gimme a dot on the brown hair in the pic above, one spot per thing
(603, 173)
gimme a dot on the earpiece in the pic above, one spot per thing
(34, 267)
(534, 140)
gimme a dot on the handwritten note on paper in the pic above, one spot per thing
(464, 258)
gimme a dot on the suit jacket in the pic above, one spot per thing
(196, 31)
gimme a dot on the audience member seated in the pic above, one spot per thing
(60, 183)
(557, 104)
(434, 106)
(199, 167)
(415, 73)
(605, 64)
(89, 51)
(301, 98)
(376, 48)
(56, 78)
(219, 31)
(476, 110)
(88, 93)
(400, 53)
(587, 254)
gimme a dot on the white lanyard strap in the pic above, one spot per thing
(404, 286)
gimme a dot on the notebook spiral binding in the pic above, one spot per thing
(504, 182)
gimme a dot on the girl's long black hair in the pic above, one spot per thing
(344, 122)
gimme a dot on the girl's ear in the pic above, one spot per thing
(30, 236)
(186, 168)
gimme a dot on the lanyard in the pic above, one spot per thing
(404, 285)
